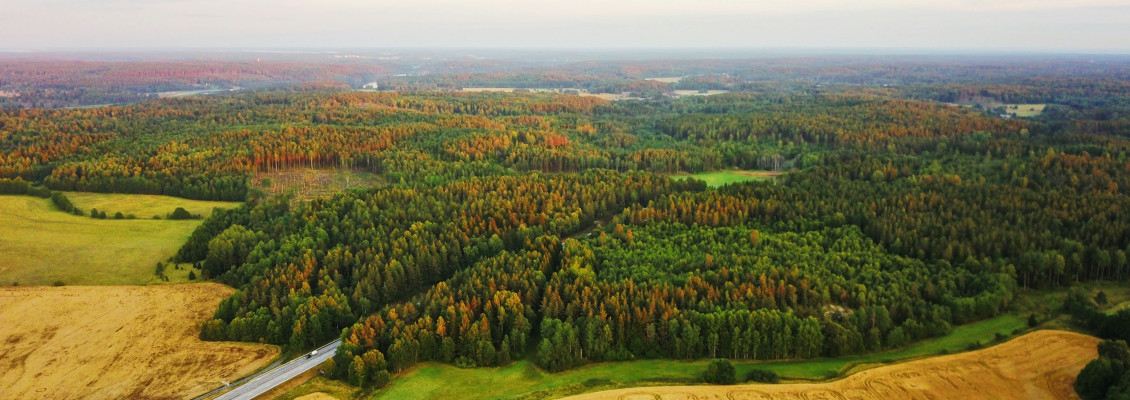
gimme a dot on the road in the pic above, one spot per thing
(279, 375)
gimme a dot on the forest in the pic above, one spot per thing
(558, 228)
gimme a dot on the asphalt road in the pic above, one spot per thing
(279, 375)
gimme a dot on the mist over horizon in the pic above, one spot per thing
(864, 26)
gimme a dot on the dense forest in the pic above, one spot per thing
(562, 228)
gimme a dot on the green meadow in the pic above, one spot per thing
(42, 245)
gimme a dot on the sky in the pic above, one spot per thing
(1091, 26)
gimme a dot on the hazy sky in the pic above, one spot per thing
(1040, 25)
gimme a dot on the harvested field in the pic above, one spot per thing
(137, 342)
(1039, 365)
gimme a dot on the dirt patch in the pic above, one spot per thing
(117, 342)
(1039, 365)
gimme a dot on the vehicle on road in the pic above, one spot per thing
(312, 353)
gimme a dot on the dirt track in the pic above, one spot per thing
(1039, 365)
(137, 342)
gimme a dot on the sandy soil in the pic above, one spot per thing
(137, 342)
(317, 396)
(1039, 365)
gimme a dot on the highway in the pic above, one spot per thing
(266, 381)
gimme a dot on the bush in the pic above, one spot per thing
(719, 372)
(762, 376)
(58, 283)
(1032, 321)
(63, 203)
(180, 213)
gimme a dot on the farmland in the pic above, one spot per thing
(143, 205)
(1042, 364)
(116, 342)
(524, 380)
(42, 246)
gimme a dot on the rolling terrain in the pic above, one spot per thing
(43, 246)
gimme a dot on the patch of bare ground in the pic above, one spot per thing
(760, 174)
(116, 342)
(310, 183)
(1039, 365)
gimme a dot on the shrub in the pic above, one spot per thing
(180, 213)
(58, 283)
(720, 372)
(762, 375)
(1100, 298)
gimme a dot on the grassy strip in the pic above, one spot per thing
(142, 205)
(523, 380)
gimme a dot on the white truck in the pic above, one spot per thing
(312, 353)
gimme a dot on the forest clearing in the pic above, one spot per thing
(720, 178)
(138, 342)
(309, 184)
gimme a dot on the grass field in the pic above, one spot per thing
(1047, 304)
(142, 205)
(721, 178)
(307, 184)
(120, 342)
(40, 245)
(523, 380)
(1024, 110)
(1039, 365)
